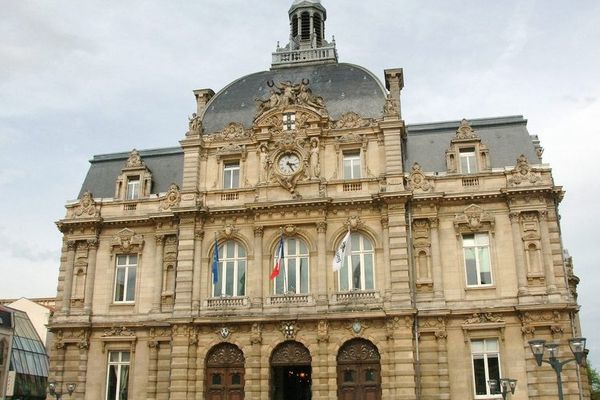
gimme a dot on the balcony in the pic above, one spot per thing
(356, 296)
(227, 302)
(286, 57)
(288, 299)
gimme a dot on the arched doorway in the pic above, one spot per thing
(224, 373)
(291, 372)
(359, 371)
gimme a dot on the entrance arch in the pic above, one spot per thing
(359, 371)
(291, 372)
(224, 377)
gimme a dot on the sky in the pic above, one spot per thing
(83, 78)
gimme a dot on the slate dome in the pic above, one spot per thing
(344, 87)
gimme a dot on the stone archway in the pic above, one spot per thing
(291, 372)
(359, 371)
(224, 377)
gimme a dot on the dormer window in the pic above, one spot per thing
(468, 160)
(133, 188)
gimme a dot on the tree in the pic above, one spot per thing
(594, 380)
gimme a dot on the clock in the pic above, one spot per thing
(289, 163)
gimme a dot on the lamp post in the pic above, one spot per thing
(538, 346)
(55, 389)
(506, 385)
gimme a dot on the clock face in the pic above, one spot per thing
(289, 164)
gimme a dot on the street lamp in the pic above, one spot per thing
(506, 385)
(538, 346)
(54, 389)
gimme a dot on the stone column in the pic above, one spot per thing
(158, 272)
(196, 275)
(179, 362)
(152, 369)
(255, 275)
(385, 237)
(443, 369)
(519, 252)
(547, 253)
(90, 275)
(323, 272)
(438, 278)
(185, 266)
(68, 279)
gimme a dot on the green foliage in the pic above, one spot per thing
(594, 380)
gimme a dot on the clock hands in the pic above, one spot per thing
(291, 165)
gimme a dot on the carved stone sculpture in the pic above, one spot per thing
(288, 94)
(315, 167)
(195, 125)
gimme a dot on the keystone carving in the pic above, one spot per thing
(172, 198)
(523, 174)
(417, 181)
(351, 120)
(87, 207)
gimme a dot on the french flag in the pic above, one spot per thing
(278, 260)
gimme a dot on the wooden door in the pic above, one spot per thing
(224, 374)
(359, 371)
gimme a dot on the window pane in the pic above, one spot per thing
(369, 284)
(480, 381)
(279, 283)
(133, 259)
(468, 240)
(229, 250)
(291, 247)
(491, 345)
(236, 378)
(303, 249)
(124, 356)
(471, 266)
(348, 376)
(356, 169)
(347, 170)
(303, 275)
(120, 285)
(370, 375)
(241, 278)
(367, 244)
(216, 379)
(356, 276)
(111, 387)
(344, 275)
(123, 382)
(241, 251)
(121, 260)
(355, 242)
(292, 275)
(477, 346)
(493, 367)
(131, 284)
(235, 179)
(229, 278)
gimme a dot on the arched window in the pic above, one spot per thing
(305, 26)
(232, 270)
(293, 277)
(358, 272)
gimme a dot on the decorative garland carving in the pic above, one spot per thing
(473, 219)
(358, 350)
(482, 318)
(322, 331)
(417, 181)
(256, 333)
(172, 198)
(523, 173)
(225, 354)
(351, 120)
(291, 353)
(354, 223)
(127, 241)
(134, 160)
(232, 149)
(465, 131)
(287, 94)
(289, 329)
(87, 207)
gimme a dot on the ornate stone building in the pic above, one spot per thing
(454, 258)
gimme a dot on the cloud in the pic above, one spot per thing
(25, 250)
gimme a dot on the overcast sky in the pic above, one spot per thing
(82, 78)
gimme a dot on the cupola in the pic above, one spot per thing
(307, 44)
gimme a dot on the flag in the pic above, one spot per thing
(215, 265)
(342, 252)
(278, 259)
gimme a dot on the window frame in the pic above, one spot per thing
(353, 156)
(470, 155)
(126, 267)
(118, 364)
(229, 169)
(283, 273)
(133, 186)
(478, 263)
(485, 355)
(361, 253)
(236, 260)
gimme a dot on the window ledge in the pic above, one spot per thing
(482, 287)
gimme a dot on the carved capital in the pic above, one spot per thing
(514, 216)
(160, 239)
(321, 227)
(259, 231)
(92, 243)
(71, 245)
(199, 234)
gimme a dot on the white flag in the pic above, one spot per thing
(342, 252)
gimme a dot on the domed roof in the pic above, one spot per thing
(343, 87)
(306, 3)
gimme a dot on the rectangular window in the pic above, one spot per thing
(476, 248)
(125, 278)
(231, 175)
(468, 162)
(133, 188)
(486, 364)
(117, 376)
(352, 165)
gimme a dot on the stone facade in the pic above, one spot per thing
(418, 306)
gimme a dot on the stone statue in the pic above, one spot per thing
(315, 167)
(264, 164)
(195, 125)
(390, 108)
(305, 96)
